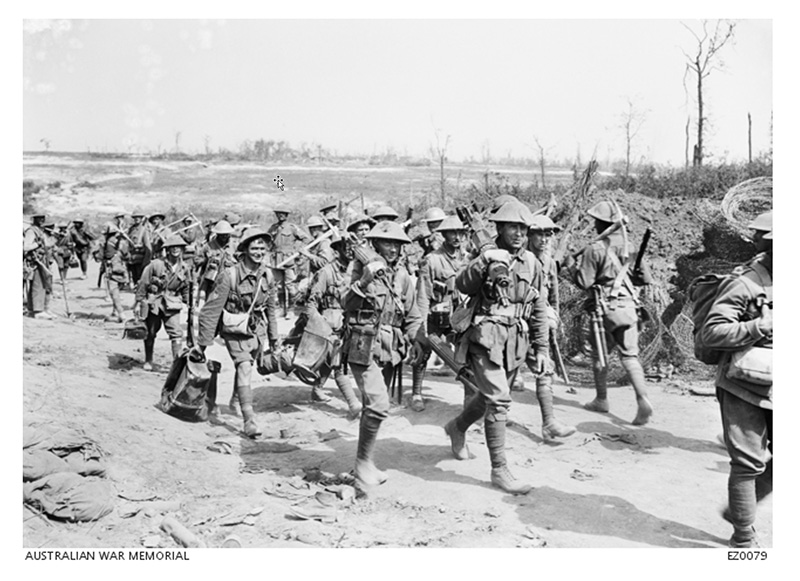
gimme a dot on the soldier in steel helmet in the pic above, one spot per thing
(603, 270)
(437, 297)
(113, 253)
(38, 278)
(214, 256)
(141, 247)
(161, 294)
(383, 320)
(285, 236)
(326, 294)
(431, 239)
(740, 322)
(540, 234)
(156, 232)
(385, 213)
(64, 249)
(329, 212)
(507, 328)
(321, 254)
(247, 288)
(359, 228)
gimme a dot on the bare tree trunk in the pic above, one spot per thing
(749, 139)
(686, 146)
(698, 150)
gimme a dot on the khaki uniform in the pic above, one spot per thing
(36, 270)
(62, 252)
(141, 250)
(284, 239)
(82, 238)
(211, 259)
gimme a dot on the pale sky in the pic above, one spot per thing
(358, 86)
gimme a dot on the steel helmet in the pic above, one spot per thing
(281, 209)
(513, 212)
(222, 227)
(174, 240)
(450, 223)
(762, 222)
(500, 200)
(385, 212)
(156, 215)
(336, 239)
(328, 207)
(315, 222)
(434, 214)
(137, 213)
(232, 218)
(542, 222)
(389, 231)
(251, 234)
(768, 235)
(360, 219)
(604, 211)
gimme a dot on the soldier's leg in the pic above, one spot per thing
(417, 376)
(153, 325)
(36, 294)
(83, 258)
(317, 391)
(600, 402)
(746, 438)
(628, 342)
(242, 353)
(494, 383)
(375, 398)
(346, 387)
(116, 301)
(551, 427)
(172, 325)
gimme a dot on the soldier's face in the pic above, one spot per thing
(315, 231)
(433, 225)
(137, 220)
(513, 235)
(539, 238)
(256, 250)
(761, 244)
(223, 239)
(389, 249)
(281, 216)
(176, 251)
(452, 238)
(361, 230)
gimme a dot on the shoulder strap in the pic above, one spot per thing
(764, 279)
(621, 275)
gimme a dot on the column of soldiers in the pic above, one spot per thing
(495, 304)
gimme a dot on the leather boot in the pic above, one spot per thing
(148, 355)
(418, 374)
(518, 384)
(600, 402)
(636, 375)
(367, 474)
(233, 404)
(345, 385)
(458, 441)
(495, 428)
(551, 427)
(251, 430)
(318, 394)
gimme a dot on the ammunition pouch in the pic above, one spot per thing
(315, 344)
(118, 266)
(360, 345)
(137, 255)
(753, 365)
(392, 318)
(618, 313)
(363, 317)
(439, 321)
(172, 302)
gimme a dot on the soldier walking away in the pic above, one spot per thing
(64, 249)
(285, 236)
(437, 297)
(326, 294)
(37, 277)
(506, 291)
(82, 238)
(141, 248)
(603, 271)
(540, 234)
(113, 266)
(242, 310)
(161, 294)
(382, 319)
(739, 324)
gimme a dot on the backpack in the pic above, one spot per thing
(190, 389)
(703, 292)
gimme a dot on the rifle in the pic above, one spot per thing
(558, 256)
(560, 367)
(190, 321)
(598, 331)
(64, 290)
(637, 265)
(407, 223)
(463, 374)
(307, 247)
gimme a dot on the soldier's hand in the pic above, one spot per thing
(537, 363)
(371, 271)
(496, 255)
(765, 321)
(569, 261)
(418, 355)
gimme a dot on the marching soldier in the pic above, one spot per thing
(285, 236)
(141, 248)
(156, 233)
(385, 213)
(235, 221)
(360, 227)
(326, 294)
(242, 310)
(602, 269)
(540, 233)
(214, 256)
(329, 212)
(322, 253)
(507, 292)
(82, 238)
(191, 234)
(432, 239)
(37, 275)
(437, 297)
(114, 257)
(382, 319)
(161, 294)
(740, 322)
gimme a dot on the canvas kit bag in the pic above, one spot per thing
(190, 389)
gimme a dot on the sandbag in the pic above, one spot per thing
(71, 497)
(39, 463)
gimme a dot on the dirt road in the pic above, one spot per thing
(609, 485)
